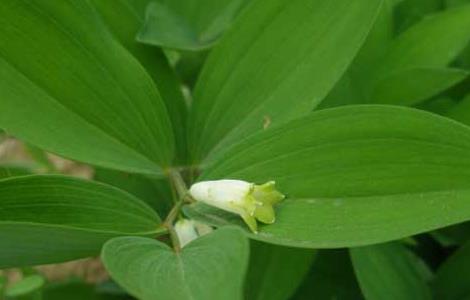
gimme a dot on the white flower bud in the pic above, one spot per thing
(252, 202)
(186, 231)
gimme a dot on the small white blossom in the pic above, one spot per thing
(189, 230)
(252, 202)
(186, 231)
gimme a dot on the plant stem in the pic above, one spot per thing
(178, 183)
(170, 219)
(182, 191)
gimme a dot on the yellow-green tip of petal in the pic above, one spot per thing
(252, 202)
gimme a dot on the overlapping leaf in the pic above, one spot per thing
(69, 87)
(124, 19)
(416, 53)
(277, 63)
(350, 172)
(411, 67)
(412, 86)
(211, 267)
(331, 277)
(188, 24)
(46, 219)
(390, 271)
(275, 272)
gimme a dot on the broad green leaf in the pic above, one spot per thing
(412, 86)
(432, 43)
(353, 86)
(188, 24)
(390, 271)
(211, 267)
(275, 272)
(25, 286)
(47, 219)
(70, 88)
(278, 62)
(350, 172)
(124, 19)
(377, 42)
(331, 277)
(155, 192)
(452, 280)
(410, 68)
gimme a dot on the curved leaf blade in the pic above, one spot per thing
(331, 277)
(124, 19)
(46, 219)
(436, 41)
(276, 64)
(350, 172)
(69, 87)
(210, 267)
(412, 86)
(390, 271)
(275, 272)
(188, 24)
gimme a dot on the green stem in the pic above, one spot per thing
(178, 183)
(182, 192)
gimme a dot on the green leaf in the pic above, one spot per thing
(275, 272)
(412, 86)
(155, 192)
(188, 24)
(47, 219)
(25, 286)
(410, 68)
(70, 88)
(453, 276)
(352, 87)
(277, 63)
(331, 277)
(124, 19)
(432, 43)
(211, 267)
(390, 271)
(350, 172)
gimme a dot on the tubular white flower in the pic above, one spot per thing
(186, 231)
(252, 202)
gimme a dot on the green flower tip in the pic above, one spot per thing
(252, 202)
